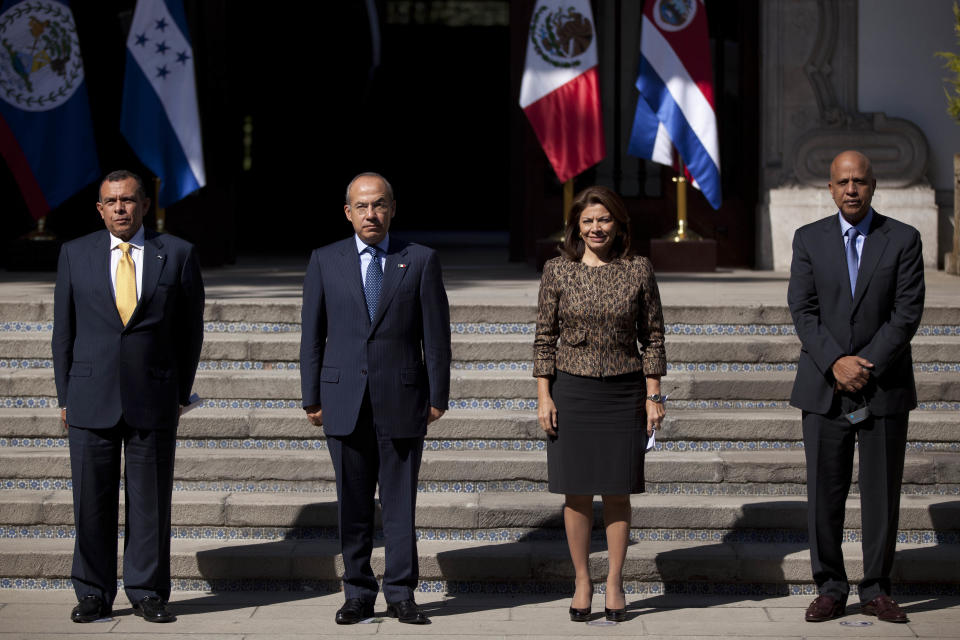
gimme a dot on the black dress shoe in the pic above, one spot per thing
(153, 609)
(579, 615)
(90, 608)
(407, 611)
(354, 610)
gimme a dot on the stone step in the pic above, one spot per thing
(712, 516)
(288, 310)
(508, 562)
(681, 425)
(767, 471)
(284, 347)
(285, 385)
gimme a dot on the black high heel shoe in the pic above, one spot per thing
(616, 615)
(579, 615)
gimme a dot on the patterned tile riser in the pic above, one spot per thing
(510, 404)
(502, 366)
(510, 328)
(499, 446)
(527, 535)
(530, 587)
(701, 489)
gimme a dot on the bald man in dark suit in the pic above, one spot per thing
(856, 295)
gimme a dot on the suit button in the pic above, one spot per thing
(363, 372)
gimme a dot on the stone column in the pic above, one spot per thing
(810, 114)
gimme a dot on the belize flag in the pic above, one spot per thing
(46, 136)
(559, 92)
(676, 107)
(159, 116)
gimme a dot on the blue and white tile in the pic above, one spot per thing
(251, 327)
(17, 326)
(481, 365)
(246, 365)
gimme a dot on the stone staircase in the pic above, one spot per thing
(254, 504)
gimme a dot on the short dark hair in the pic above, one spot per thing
(118, 176)
(368, 174)
(572, 246)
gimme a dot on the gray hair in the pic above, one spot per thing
(119, 176)
(368, 174)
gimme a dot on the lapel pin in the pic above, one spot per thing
(402, 266)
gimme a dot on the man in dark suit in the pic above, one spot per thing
(128, 326)
(856, 295)
(375, 370)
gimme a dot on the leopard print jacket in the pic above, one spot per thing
(590, 319)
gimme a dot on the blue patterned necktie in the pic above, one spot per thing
(373, 282)
(853, 259)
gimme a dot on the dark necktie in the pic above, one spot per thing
(373, 282)
(853, 259)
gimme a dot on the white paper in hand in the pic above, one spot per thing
(195, 401)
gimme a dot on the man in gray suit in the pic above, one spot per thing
(856, 295)
(375, 370)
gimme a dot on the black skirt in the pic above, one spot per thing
(601, 435)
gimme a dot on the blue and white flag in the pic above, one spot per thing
(160, 118)
(675, 108)
(46, 136)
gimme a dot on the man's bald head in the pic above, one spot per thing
(852, 184)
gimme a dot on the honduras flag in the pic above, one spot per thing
(159, 117)
(46, 136)
(675, 107)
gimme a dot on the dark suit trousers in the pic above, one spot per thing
(148, 487)
(362, 460)
(829, 444)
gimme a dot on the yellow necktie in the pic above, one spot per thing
(126, 284)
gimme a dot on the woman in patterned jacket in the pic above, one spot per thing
(598, 392)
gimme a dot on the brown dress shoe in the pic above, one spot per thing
(885, 609)
(824, 608)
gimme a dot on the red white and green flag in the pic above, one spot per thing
(560, 91)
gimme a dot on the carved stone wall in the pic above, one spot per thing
(810, 114)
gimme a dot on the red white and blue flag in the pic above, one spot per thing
(560, 93)
(676, 107)
(46, 136)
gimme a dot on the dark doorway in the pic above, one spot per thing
(422, 97)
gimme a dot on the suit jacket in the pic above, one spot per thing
(876, 323)
(403, 356)
(142, 371)
(598, 321)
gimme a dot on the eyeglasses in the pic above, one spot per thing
(379, 206)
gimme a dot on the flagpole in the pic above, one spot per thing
(567, 203)
(682, 233)
(161, 212)
(567, 199)
(41, 233)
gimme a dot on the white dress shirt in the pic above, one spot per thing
(136, 252)
(366, 257)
